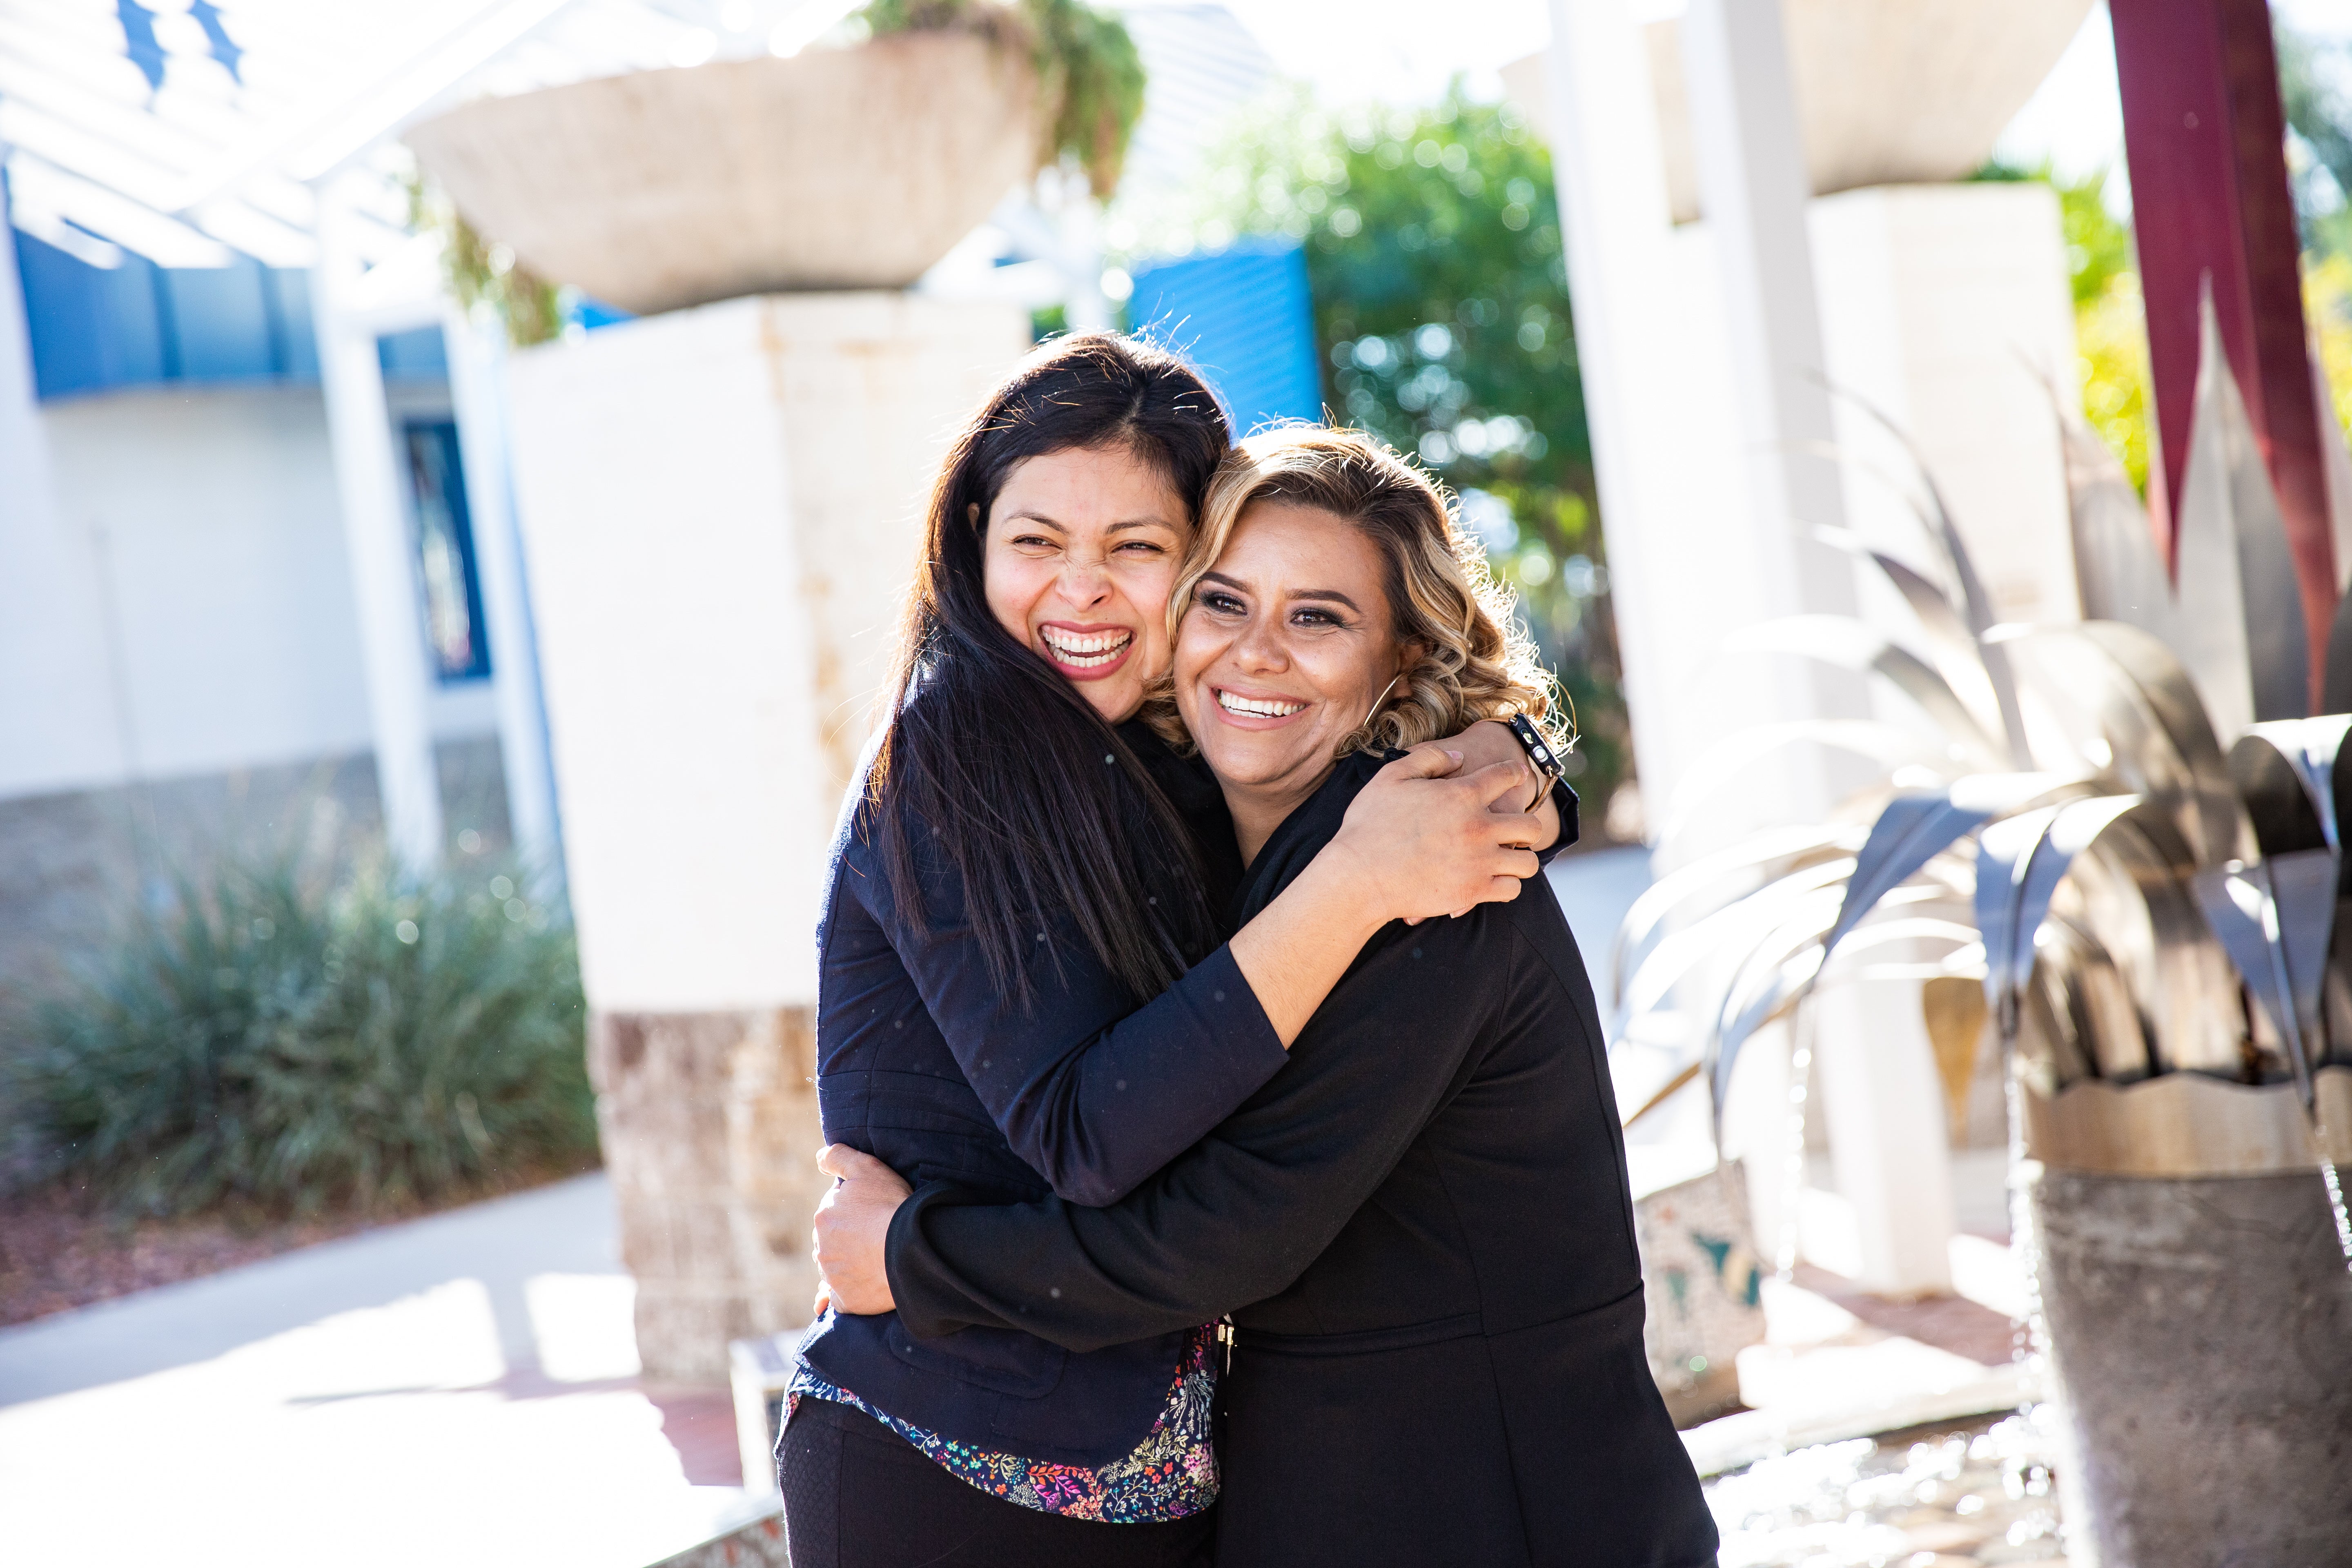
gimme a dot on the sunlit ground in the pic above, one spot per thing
(484, 1408)
(1984, 1493)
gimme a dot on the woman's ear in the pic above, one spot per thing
(972, 514)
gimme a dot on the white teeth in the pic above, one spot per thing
(1263, 708)
(1086, 651)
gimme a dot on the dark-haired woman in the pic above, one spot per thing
(1421, 1227)
(1023, 988)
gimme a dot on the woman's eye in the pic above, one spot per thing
(1317, 620)
(1142, 547)
(1222, 604)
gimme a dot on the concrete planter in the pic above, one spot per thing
(1887, 95)
(2200, 1320)
(834, 169)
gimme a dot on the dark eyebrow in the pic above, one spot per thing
(1328, 595)
(1040, 518)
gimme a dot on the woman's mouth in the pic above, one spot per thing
(1263, 709)
(1086, 653)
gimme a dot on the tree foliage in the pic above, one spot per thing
(1433, 247)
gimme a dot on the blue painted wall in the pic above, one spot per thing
(1245, 317)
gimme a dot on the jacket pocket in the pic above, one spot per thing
(999, 1359)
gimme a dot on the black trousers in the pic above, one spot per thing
(856, 1495)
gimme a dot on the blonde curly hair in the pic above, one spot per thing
(1469, 659)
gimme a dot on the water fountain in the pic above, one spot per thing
(2152, 914)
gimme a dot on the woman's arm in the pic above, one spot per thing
(1096, 1108)
(1411, 843)
(1234, 1220)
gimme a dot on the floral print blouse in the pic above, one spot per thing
(1171, 1474)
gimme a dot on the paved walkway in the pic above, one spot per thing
(455, 1390)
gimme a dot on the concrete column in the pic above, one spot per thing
(1602, 123)
(1753, 181)
(1884, 1109)
(375, 529)
(477, 357)
(1884, 1121)
(723, 510)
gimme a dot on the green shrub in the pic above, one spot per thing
(271, 1041)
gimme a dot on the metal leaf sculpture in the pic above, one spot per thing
(2116, 900)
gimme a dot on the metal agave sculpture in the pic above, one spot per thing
(2143, 904)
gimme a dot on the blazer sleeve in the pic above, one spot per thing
(1242, 1213)
(1093, 1092)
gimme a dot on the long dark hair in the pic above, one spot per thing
(991, 749)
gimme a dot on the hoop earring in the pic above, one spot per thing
(1383, 696)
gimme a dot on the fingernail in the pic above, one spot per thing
(1456, 755)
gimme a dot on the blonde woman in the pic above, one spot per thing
(1421, 1228)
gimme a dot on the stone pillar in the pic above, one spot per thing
(722, 509)
(2202, 1329)
(709, 1128)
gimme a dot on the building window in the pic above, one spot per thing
(459, 646)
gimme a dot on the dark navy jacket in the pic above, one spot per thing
(1424, 1233)
(924, 1065)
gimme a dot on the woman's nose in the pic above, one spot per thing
(1084, 583)
(1260, 646)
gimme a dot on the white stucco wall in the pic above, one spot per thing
(59, 725)
(1946, 308)
(721, 510)
(195, 545)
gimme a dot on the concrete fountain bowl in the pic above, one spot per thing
(853, 168)
(1887, 95)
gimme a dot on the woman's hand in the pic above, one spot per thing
(853, 1229)
(1421, 845)
(1489, 741)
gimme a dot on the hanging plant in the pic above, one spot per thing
(1089, 76)
(479, 269)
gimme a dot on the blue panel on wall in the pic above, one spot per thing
(591, 314)
(219, 319)
(418, 355)
(95, 328)
(92, 327)
(1243, 316)
(296, 348)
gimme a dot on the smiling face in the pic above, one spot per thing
(1287, 647)
(1080, 557)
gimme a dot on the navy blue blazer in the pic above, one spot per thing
(922, 1063)
(1424, 1232)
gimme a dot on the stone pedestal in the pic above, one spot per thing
(2202, 1329)
(711, 1136)
(721, 510)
